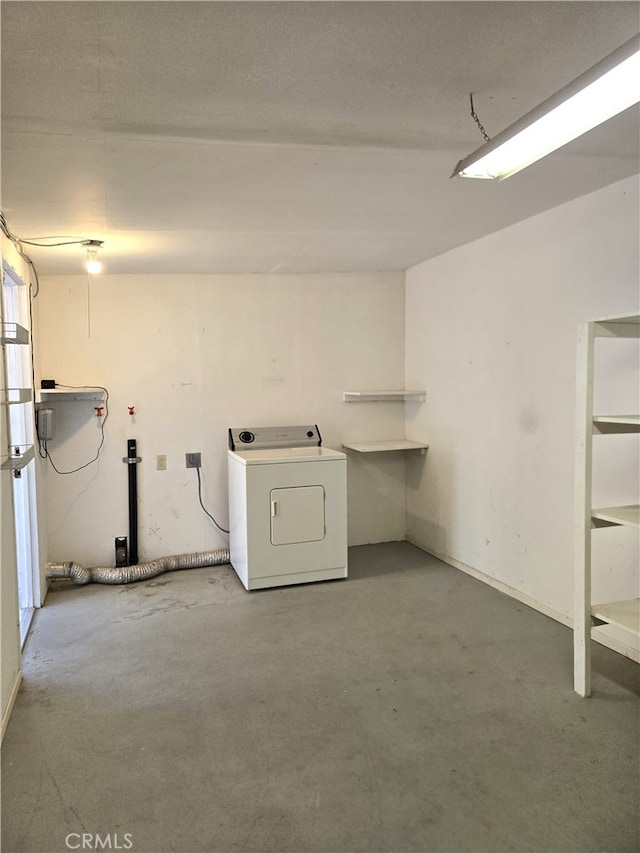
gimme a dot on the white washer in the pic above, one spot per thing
(287, 507)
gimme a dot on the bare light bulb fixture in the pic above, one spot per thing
(94, 264)
(611, 86)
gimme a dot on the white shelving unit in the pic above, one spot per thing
(385, 396)
(624, 614)
(19, 455)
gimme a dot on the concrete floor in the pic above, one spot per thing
(408, 708)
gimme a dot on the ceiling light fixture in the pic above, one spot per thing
(94, 265)
(611, 86)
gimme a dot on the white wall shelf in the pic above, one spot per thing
(384, 396)
(623, 614)
(50, 395)
(13, 333)
(385, 446)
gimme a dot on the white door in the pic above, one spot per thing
(297, 515)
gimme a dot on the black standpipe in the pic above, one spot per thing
(132, 463)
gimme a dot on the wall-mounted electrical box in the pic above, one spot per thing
(193, 460)
(45, 424)
(122, 551)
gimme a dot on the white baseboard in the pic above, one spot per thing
(615, 643)
(12, 698)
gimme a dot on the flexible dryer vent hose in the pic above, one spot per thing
(141, 571)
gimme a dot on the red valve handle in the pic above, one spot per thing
(132, 410)
(98, 411)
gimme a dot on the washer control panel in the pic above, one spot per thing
(266, 438)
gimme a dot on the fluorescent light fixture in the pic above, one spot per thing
(94, 265)
(611, 86)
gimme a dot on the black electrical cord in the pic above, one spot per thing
(31, 355)
(43, 450)
(203, 506)
(18, 244)
(20, 241)
(42, 444)
(53, 245)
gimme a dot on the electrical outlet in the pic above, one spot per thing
(122, 551)
(193, 460)
(161, 462)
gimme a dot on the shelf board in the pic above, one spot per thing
(634, 319)
(616, 423)
(384, 446)
(12, 333)
(405, 396)
(18, 461)
(625, 614)
(49, 395)
(628, 516)
(14, 396)
(620, 326)
(617, 419)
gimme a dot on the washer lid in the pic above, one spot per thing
(274, 455)
(258, 438)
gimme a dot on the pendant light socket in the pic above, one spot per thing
(94, 264)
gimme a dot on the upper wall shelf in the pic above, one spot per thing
(402, 396)
(49, 395)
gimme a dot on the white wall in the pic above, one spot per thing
(491, 334)
(196, 355)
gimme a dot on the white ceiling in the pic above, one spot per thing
(287, 136)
